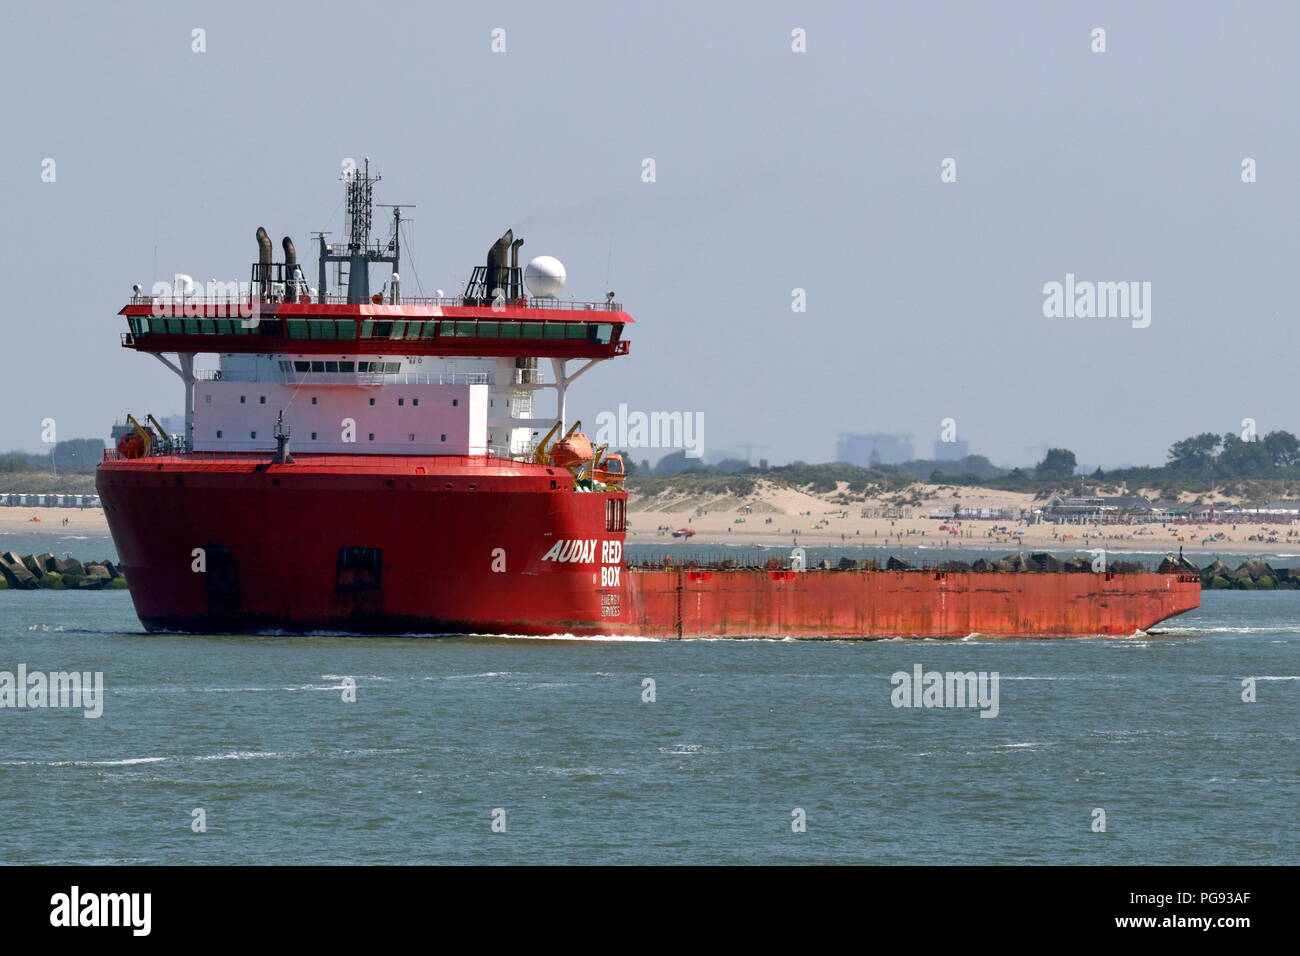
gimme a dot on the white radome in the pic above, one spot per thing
(545, 276)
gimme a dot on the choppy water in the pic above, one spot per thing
(254, 731)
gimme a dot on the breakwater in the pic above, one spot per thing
(32, 572)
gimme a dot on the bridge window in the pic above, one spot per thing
(531, 330)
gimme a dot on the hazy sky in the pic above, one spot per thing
(775, 170)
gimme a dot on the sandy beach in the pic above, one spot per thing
(79, 520)
(781, 516)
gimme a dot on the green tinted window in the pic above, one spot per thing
(532, 330)
(603, 331)
(399, 331)
(508, 330)
(488, 330)
(555, 330)
(347, 329)
(322, 329)
(575, 330)
(297, 328)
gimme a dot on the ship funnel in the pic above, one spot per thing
(290, 270)
(498, 267)
(515, 292)
(263, 263)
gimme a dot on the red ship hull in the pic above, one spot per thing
(838, 604)
(449, 545)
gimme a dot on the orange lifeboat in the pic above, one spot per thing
(573, 449)
(610, 471)
(130, 446)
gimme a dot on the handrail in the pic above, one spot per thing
(342, 378)
(537, 302)
(382, 461)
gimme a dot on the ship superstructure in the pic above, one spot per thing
(363, 373)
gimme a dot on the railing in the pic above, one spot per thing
(383, 461)
(454, 302)
(340, 378)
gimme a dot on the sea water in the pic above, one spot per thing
(333, 749)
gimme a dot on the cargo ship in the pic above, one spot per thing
(365, 462)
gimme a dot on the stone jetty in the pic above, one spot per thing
(32, 572)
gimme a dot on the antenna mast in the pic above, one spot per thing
(359, 251)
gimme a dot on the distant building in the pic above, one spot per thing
(1271, 510)
(1099, 507)
(873, 449)
(951, 450)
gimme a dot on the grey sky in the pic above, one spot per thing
(775, 170)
